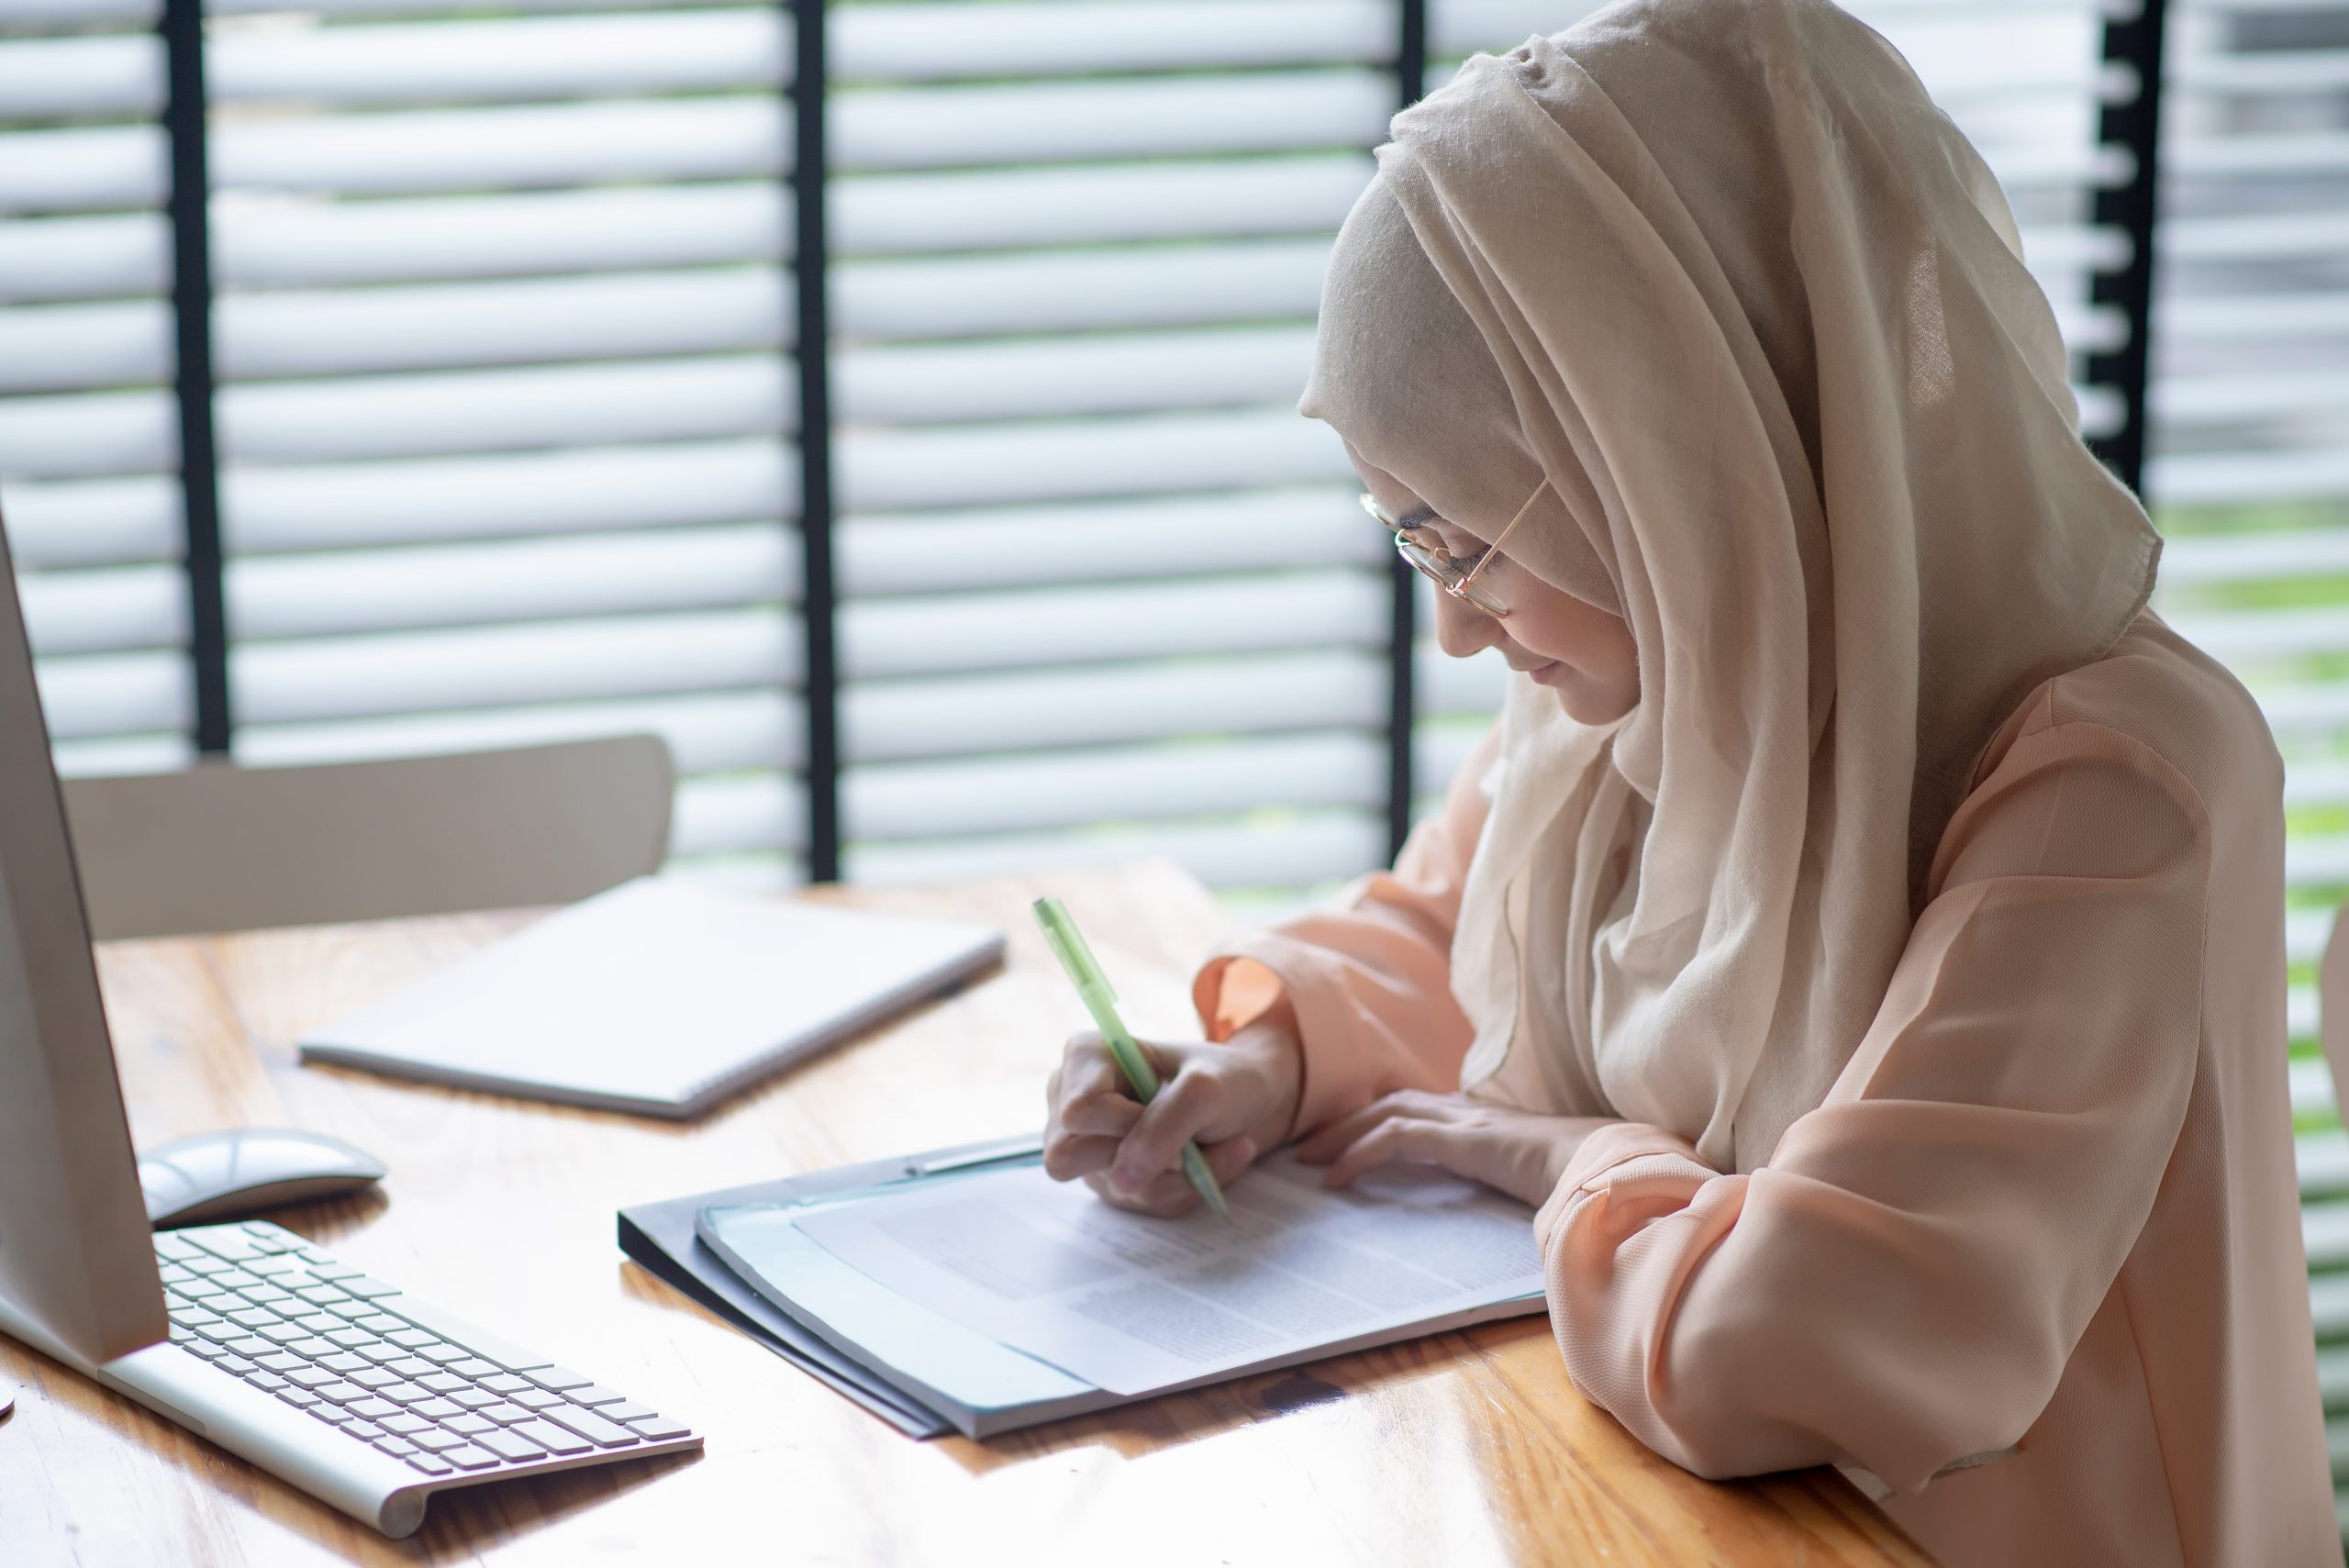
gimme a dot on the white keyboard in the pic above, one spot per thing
(382, 1379)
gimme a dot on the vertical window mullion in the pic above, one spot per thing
(181, 26)
(2134, 124)
(1402, 647)
(813, 349)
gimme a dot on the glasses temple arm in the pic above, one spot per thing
(1503, 537)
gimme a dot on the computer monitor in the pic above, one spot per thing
(77, 1260)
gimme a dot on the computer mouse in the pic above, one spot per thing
(218, 1175)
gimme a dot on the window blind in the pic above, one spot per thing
(2249, 422)
(1102, 593)
(88, 427)
(507, 408)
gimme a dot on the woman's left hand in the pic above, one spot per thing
(1523, 1153)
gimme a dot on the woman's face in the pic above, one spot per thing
(1578, 650)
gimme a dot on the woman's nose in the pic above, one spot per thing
(1463, 630)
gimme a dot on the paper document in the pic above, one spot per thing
(1132, 1304)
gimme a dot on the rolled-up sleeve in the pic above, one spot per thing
(1370, 978)
(1901, 1286)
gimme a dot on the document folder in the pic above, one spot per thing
(743, 1252)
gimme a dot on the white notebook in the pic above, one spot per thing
(658, 998)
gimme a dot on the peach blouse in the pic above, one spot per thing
(2033, 1272)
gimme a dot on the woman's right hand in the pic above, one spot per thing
(1237, 1099)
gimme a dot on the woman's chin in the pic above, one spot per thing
(1585, 701)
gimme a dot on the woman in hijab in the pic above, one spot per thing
(1862, 934)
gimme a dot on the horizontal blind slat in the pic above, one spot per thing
(574, 490)
(495, 583)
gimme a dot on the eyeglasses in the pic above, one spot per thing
(1427, 555)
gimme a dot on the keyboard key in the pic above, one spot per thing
(299, 1397)
(351, 1338)
(438, 1409)
(370, 1376)
(441, 1382)
(311, 1347)
(406, 1422)
(592, 1426)
(558, 1378)
(366, 1431)
(303, 1375)
(536, 1398)
(253, 1318)
(382, 1352)
(178, 1248)
(369, 1289)
(506, 1445)
(205, 1349)
(344, 1363)
(407, 1393)
(659, 1429)
(374, 1409)
(332, 1271)
(471, 1457)
(433, 1440)
(597, 1393)
(377, 1323)
(484, 1343)
(350, 1309)
(443, 1354)
(320, 1322)
(342, 1392)
(266, 1295)
(506, 1414)
(551, 1437)
(473, 1398)
(236, 1279)
(465, 1421)
(431, 1465)
(481, 1372)
(414, 1339)
(628, 1413)
(410, 1366)
(398, 1448)
(321, 1294)
(332, 1415)
(283, 1333)
(249, 1346)
(235, 1366)
(282, 1361)
(207, 1266)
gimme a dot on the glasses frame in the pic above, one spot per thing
(1433, 562)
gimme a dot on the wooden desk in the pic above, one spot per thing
(1467, 1448)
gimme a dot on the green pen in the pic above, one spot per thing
(1093, 989)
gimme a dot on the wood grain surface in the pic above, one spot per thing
(1465, 1448)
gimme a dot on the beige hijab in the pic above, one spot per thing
(1720, 274)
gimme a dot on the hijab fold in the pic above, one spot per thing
(1719, 274)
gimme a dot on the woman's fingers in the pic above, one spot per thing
(1101, 1115)
(1170, 1192)
(1420, 1142)
(1065, 1157)
(1175, 1117)
(1413, 1104)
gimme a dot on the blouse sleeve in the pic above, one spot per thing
(1370, 979)
(1901, 1286)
